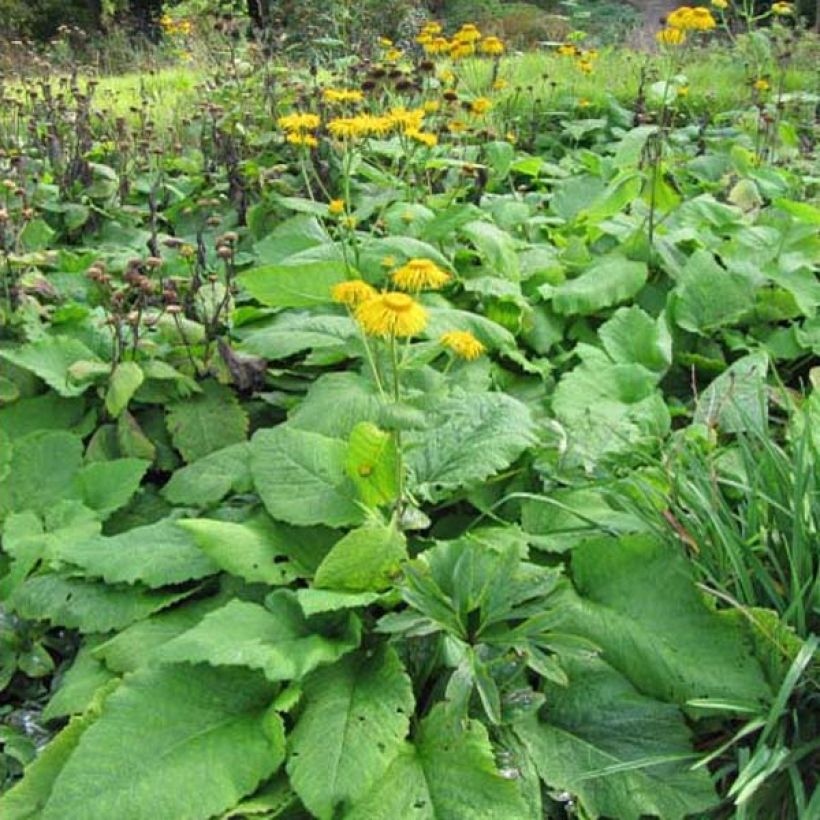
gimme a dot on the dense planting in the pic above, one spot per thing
(387, 440)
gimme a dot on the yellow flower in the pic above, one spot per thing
(683, 91)
(671, 37)
(480, 106)
(391, 314)
(468, 33)
(431, 28)
(500, 85)
(336, 207)
(459, 50)
(348, 222)
(349, 128)
(302, 140)
(584, 103)
(447, 77)
(385, 42)
(393, 54)
(585, 66)
(352, 293)
(782, 9)
(431, 106)
(762, 85)
(720, 4)
(567, 50)
(463, 344)
(342, 95)
(299, 121)
(437, 45)
(701, 19)
(423, 137)
(492, 46)
(406, 120)
(456, 126)
(420, 274)
(679, 18)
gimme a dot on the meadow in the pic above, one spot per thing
(423, 430)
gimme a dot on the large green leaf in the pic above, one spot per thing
(275, 638)
(303, 285)
(207, 422)
(255, 550)
(172, 742)
(496, 247)
(300, 476)
(736, 399)
(209, 479)
(356, 716)
(610, 280)
(632, 336)
(78, 684)
(156, 555)
(373, 464)
(365, 560)
(295, 332)
(638, 602)
(50, 358)
(105, 486)
(448, 773)
(84, 605)
(476, 436)
(621, 753)
(44, 412)
(124, 382)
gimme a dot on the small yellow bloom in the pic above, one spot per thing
(683, 91)
(584, 103)
(468, 33)
(432, 27)
(500, 85)
(720, 4)
(492, 46)
(342, 95)
(782, 9)
(463, 344)
(456, 126)
(349, 222)
(393, 54)
(391, 314)
(420, 274)
(459, 50)
(585, 66)
(671, 37)
(437, 45)
(423, 137)
(447, 77)
(431, 106)
(567, 50)
(406, 120)
(480, 106)
(352, 293)
(385, 42)
(762, 85)
(299, 121)
(302, 140)
(336, 207)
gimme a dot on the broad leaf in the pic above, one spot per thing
(124, 382)
(621, 753)
(303, 285)
(373, 464)
(50, 358)
(356, 715)
(78, 685)
(275, 638)
(106, 486)
(209, 479)
(171, 739)
(300, 476)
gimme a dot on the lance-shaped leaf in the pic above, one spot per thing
(373, 464)
(356, 716)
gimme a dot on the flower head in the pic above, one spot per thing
(721, 4)
(391, 314)
(423, 137)
(352, 293)
(480, 106)
(420, 274)
(567, 50)
(782, 9)
(762, 85)
(463, 344)
(492, 46)
(342, 95)
(671, 37)
(336, 207)
(302, 140)
(299, 121)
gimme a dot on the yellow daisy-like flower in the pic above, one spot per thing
(683, 91)
(762, 85)
(468, 33)
(406, 120)
(782, 9)
(423, 137)
(701, 19)
(431, 106)
(456, 126)
(336, 207)
(500, 85)
(342, 95)
(302, 140)
(463, 344)
(352, 293)
(420, 274)
(299, 121)
(432, 27)
(385, 42)
(492, 46)
(437, 45)
(567, 50)
(348, 128)
(671, 37)
(393, 54)
(447, 77)
(480, 106)
(585, 66)
(584, 103)
(391, 314)
(720, 4)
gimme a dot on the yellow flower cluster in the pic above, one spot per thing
(782, 9)
(391, 314)
(671, 37)
(175, 28)
(420, 274)
(342, 95)
(352, 293)
(687, 18)
(463, 344)
(423, 137)
(480, 106)
(298, 127)
(466, 42)
(585, 60)
(363, 125)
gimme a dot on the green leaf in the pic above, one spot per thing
(365, 560)
(132, 440)
(621, 753)
(106, 486)
(707, 296)
(300, 477)
(255, 550)
(124, 382)
(208, 422)
(209, 479)
(335, 404)
(610, 280)
(476, 437)
(303, 285)
(497, 248)
(356, 716)
(736, 399)
(171, 739)
(41, 472)
(50, 358)
(78, 685)
(27, 798)
(275, 638)
(632, 336)
(46, 412)
(640, 605)
(290, 333)
(84, 605)
(373, 464)
(449, 773)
